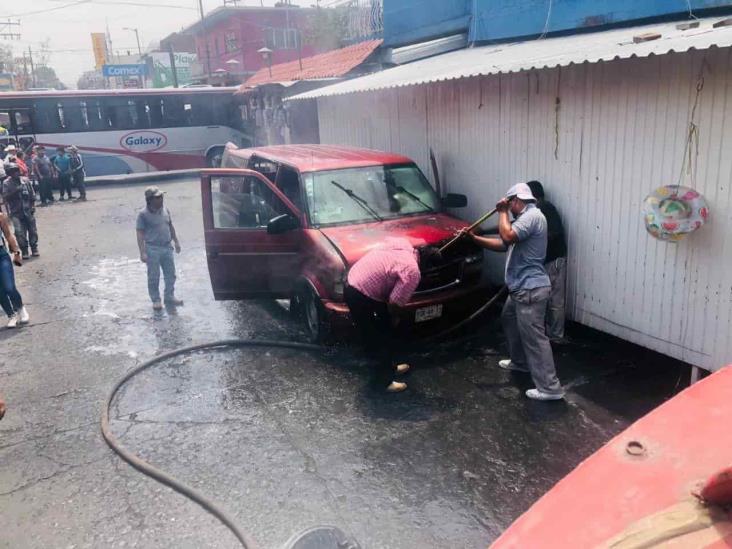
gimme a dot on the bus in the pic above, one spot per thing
(127, 130)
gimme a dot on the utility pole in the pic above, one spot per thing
(172, 65)
(205, 37)
(6, 30)
(33, 68)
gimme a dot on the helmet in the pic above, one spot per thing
(11, 168)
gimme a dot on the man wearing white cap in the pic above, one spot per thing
(529, 289)
(156, 238)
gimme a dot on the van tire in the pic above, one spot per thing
(214, 157)
(308, 309)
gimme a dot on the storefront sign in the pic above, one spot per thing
(162, 71)
(123, 70)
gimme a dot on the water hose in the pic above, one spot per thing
(471, 228)
(247, 542)
(161, 476)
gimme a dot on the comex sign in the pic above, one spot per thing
(123, 70)
(143, 141)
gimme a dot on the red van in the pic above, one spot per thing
(288, 221)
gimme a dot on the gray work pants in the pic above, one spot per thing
(26, 232)
(160, 258)
(528, 345)
(557, 271)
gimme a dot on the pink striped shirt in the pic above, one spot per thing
(388, 273)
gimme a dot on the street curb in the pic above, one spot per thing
(132, 178)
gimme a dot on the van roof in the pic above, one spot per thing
(315, 158)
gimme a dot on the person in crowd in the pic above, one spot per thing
(379, 284)
(20, 161)
(62, 166)
(77, 172)
(20, 200)
(555, 264)
(43, 171)
(2, 407)
(529, 289)
(10, 298)
(156, 238)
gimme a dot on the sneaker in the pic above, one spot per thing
(402, 368)
(536, 394)
(62, 199)
(25, 255)
(157, 306)
(507, 364)
(24, 316)
(174, 302)
(35, 253)
(396, 387)
(71, 197)
(13, 320)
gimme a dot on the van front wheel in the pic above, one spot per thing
(308, 307)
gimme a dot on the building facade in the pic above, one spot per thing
(228, 39)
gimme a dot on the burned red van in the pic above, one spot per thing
(287, 222)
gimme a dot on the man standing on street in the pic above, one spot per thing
(77, 172)
(43, 170)
(529, 289)
(155, 233)
(17, 192)
(555, 264)
(62, 164)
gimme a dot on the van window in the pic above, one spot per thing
(266, 167)
(243, 203)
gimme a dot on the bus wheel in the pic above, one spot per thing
(214, 157)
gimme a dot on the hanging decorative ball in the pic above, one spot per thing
(672, 211)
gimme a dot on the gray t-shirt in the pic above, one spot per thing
(43, 166)
(525, 263)
(156, 226)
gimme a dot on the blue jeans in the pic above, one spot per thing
(10, 299)
(160, 257)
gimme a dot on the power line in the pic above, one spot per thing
(36, 12)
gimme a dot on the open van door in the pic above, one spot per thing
(253, 235)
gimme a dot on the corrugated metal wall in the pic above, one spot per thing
(600, 137)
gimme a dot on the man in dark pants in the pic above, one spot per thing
(62, 164)
(77, 172)
(17, 192)
(43, 170)
(378, 284)
(555, 264)
(529, 288)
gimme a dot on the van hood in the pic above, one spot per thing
(353, 241)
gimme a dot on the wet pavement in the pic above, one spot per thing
(282, 440)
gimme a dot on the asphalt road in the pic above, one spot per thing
(282, 440)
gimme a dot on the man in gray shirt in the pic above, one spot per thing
(529, 289)
(155, 239)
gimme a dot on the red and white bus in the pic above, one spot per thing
(128, 131)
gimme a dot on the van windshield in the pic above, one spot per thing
(367, 194)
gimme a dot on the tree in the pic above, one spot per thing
(46, 78)
(327, 28)
(6, 58)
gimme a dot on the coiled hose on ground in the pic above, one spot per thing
(168, 480)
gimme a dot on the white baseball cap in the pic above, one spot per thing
(11, 148)
(520, 191)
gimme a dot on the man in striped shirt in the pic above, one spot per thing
(379, 283)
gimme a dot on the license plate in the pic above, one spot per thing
(428, 313)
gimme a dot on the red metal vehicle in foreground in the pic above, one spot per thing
(666, 481)
(288, 221)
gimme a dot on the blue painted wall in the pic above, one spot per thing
(411, 21)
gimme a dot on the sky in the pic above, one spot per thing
(69, 23)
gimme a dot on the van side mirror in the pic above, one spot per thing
(453, 200)
(282, 224)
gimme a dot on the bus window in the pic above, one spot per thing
(60, 119)
(71, 117)
(173, 112)
(84, 114)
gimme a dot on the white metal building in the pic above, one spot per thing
(602, 121)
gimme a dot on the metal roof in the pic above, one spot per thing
(540, 53)
(331, 64)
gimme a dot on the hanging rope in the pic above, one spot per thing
(691, 148)
(548, 18)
